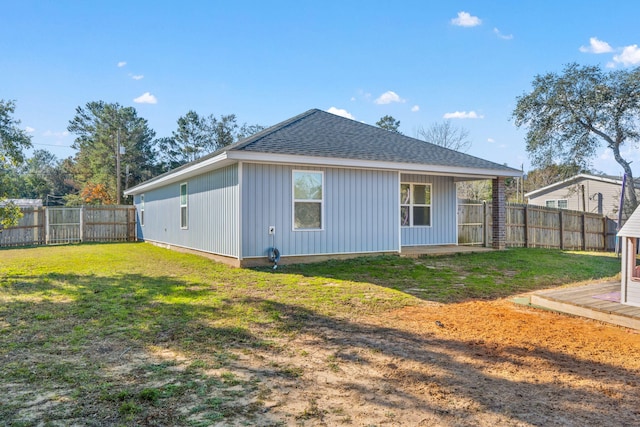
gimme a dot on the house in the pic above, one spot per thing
(315, 186)
(582, 192)
(23, 203)
(630, 269)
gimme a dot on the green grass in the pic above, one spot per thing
(456, 278)
(71, 316)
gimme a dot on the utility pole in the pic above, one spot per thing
(118, 184)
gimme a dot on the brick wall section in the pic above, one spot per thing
(499, 214)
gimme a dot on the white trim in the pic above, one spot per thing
(293, 200)
(186, 205)
(180, 174)
(141, 210)
(228, 157)
(411, 204)
(371, 164)
(562, 183)
(399, 223)
(240, 210)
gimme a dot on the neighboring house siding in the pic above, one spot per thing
(444, 228)
(213, 224)
(361, 212)
(573, 194)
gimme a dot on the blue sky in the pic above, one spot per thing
(419, 61)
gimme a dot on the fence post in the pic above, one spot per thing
(526, 226)
(604, 234)
(82, 224)
(485, 225)
(584, 232)
(561, 230)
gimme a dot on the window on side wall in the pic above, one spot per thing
(308, 198)
(415, 205)
(557, 203)
(184, 212)
(142, 210)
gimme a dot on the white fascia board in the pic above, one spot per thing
(477, 173)
(213, 163)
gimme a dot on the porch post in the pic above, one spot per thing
(498, 211)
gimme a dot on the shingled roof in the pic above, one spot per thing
(321, 134)
(316, 137)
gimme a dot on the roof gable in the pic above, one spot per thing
(631, 228)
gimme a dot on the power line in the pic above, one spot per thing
(51, 145)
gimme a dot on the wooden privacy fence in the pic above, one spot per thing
(537, 227)
(56, 225)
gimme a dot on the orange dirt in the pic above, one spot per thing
(476, 363)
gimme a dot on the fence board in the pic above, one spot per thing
(538, 227)
(67, 225)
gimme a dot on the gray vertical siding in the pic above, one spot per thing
(213, 216)
(361, 212)
(444, 227)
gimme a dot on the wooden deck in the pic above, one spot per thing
(595, 301)
(438, 250)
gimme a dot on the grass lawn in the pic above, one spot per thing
(131, 334)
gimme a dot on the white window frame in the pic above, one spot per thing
(556, 203)
(142, 210)
(411, 204)
(184, 206)
(294, 200)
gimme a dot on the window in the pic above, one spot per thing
(142, 210)
(307, 200)
(183, 206)
(559, 203)
(415, 205)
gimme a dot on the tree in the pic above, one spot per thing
(197, 136)
(550, 174)
(111, 139)
(569, 115)
(389, 123)
(13, 141)
(445, 134)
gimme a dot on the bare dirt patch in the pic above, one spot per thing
(475, 363)
(483, 363)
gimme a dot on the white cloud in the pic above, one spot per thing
(465, 19)
(596, 46)
(340, 112)
(502, 36)
(122, 64)
(630, 56)
(29, 129)
(137, 76)
(491, 140)
(353, 98)
(463, 115)
(415, 108)
(388, 97)
(146, 98)
(49, 133)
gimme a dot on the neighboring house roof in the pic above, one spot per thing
(321, 138)
(583, 176)
(631, 228)
(23, 203)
